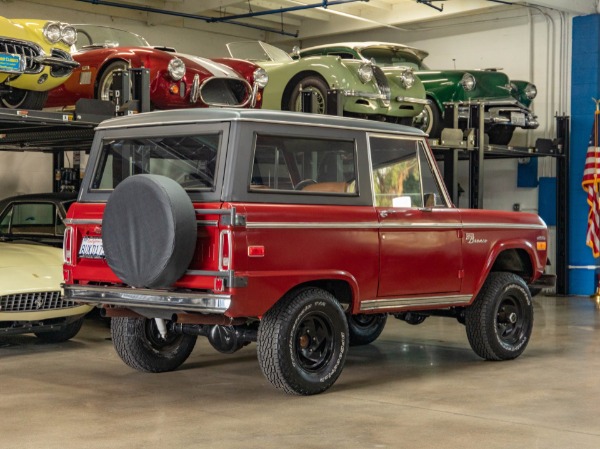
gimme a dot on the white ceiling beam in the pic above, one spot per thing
(571, 6)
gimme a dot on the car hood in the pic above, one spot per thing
(22, 29)
(29, 268)
(215, 68)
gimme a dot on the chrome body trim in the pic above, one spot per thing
(82, 221)
(153, 299)
(225, 105)
(422, 101)
(368, 95)
(396, 303)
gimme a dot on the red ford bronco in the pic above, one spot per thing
(300, 232)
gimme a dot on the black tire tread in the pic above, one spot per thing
(476, 314)
(361, 337)
(126, 335)
(61, 335)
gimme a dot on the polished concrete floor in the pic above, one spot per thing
(415, 387)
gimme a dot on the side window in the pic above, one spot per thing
(402, 176)
(33, 218)
(303, 165)
(5, 223)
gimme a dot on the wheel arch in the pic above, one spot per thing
(287, 92)
(342, 289)
(104, 67)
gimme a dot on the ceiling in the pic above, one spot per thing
(305, 18)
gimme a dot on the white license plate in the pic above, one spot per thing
(91, 248)
(10, 63)
(517, 118)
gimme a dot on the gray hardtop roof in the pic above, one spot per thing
(199, 115)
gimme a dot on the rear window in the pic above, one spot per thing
(304, 165)
(190, 160)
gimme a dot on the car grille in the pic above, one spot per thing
(33, 302)
(27, 50)
(382, 83)
(225, 92)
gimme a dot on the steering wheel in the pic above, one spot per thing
(304, 183)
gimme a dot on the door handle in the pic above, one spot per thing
(385, 213)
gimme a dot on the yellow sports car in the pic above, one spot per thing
(34, 58)
(30, 294)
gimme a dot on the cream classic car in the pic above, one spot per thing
(30, 294)
(34, 58)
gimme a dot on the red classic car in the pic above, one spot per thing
(176, 80)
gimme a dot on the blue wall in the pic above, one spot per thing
(585, 84)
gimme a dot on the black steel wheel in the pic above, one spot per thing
(66, 333)
(365, 329)
(317, 86)
(500, 321)
(23, 99)
(141, 346)
(303, 341)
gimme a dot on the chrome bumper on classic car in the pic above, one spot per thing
(152, 299)
(501, 112)
(422, 101)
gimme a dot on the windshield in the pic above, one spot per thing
(101, 36)
(190, 160)
(257, 51)
(390, 57)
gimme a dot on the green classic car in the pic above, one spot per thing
(366, 90)
(34, 58)
(506, 102)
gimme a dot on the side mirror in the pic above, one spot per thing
(296, 52)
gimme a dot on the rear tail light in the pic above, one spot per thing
(225, 250)
(68, 245)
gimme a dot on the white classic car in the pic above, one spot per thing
(30, 294)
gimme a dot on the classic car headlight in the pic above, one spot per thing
(176, 68)
(365, 73)
(531, 91)
(69, 35)
(407, 77)
(52, 32)
(468, 82)
(261, 78)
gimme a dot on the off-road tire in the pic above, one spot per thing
(140, 346)
(365, 329)
(64, 334)
(303, 341)
(500, 321)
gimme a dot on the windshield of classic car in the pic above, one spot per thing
(257, 51)
(385, 56)
(100, 36)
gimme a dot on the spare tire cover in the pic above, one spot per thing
(149, 231)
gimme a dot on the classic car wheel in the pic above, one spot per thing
(500, 134)
(26, 99)
(365, 329)
(64, 334)
(500, 321)
(302, 342)
(319, 89)
(106, 80)
(429, 120)
(140, 345)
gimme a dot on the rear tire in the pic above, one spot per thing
(500, 321)
(139, 344)
(365, 329)
(302, 342)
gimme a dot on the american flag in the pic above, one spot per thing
(591, 179)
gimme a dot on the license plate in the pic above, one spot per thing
(10, 63)
(91, 248)
(517, 118)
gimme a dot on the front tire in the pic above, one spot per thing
(64, 334)
(500, 134)
(317, 86)
(24, 99)
(302, 342)
(429, 120)
(365, 329)
(106, 80)
(140, 345)
(500, 321)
